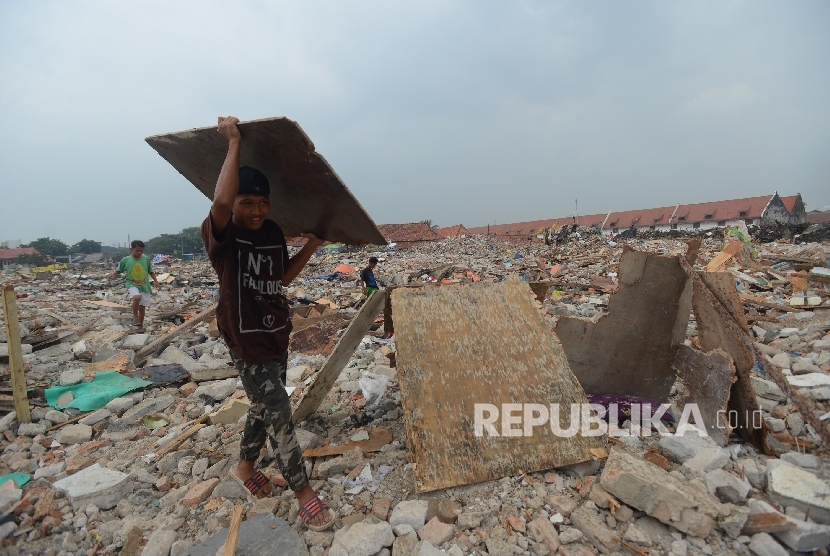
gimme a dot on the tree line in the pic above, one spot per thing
(188, 240)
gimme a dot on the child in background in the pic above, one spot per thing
(138, 271)
(367, 276)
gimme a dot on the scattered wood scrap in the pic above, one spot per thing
(150, 348)
(760, 302)
(378, 439)
(730, 250)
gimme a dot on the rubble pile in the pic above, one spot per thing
(146, 472)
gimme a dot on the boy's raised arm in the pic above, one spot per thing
(228, 183)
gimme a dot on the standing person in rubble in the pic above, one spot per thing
(367, 276)
(137, 269)
(249, 254)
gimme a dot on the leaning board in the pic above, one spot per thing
(306, 194)
(483, 343)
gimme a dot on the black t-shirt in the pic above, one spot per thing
(252, 315)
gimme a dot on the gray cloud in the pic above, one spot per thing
(464, 112)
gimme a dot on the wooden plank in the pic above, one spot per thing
(730, 250)
(378, 439)
(213, 328)
(118, 362)
(101, 304)
(755, 300)
(142, 354)
(21, 400)
(176, 442)
(486, 343)
(799, 283)
(233, 530)
(312, 197)
(343, 351)
(75, 419)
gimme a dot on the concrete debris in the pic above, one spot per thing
(74, 434)
(764, 545)
(364, 538)
(94, 477)
(683, 504)
(792, 486)
(95, 485)
(798, 534)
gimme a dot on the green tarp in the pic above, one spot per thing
(88, 396)
(19, 479)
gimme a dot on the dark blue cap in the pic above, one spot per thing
(253, 182)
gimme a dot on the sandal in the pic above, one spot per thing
(313, 507)
(252, 484)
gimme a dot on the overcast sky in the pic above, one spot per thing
(470, 112)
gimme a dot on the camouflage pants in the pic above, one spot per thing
(270, 416)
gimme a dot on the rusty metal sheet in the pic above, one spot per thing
(307, 195)
(462, 345)
(707, 378)
(630, 350)
(715, 333)
(316, 339)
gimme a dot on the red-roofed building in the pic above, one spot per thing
(795, 206)
(452, 231)
(9, 257)
(765, 209)
(818, 216)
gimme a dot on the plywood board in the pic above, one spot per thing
(306, 194)
(458, 346)
(732, 248)
(629, 350)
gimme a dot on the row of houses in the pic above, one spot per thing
(765, 209)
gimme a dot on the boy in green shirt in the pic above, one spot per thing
(137, 269)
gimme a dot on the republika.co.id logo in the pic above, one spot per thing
(514, 419)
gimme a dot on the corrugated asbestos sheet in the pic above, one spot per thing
(306, 194)
(707, 380)
(714, 334)
(630, 350)
(458, 346)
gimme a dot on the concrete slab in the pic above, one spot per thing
(146, 407)
(792, 486)
(262, 534)
(642, 485)
(308, 195)
(135, 341)
(95, 485)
